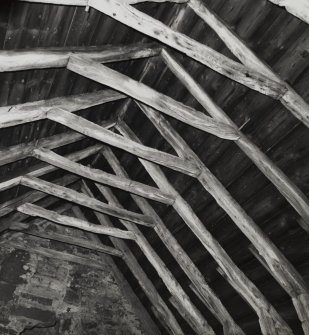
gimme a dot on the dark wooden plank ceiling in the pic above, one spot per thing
(278, 38)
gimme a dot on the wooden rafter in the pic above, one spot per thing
(145, 24)
(72, 103)
(241, 283)
(103, 177)
(172, 285)
(34, 196)
(291, 99)
(25, 150)
(58, 57)
(284, 185)
(44, 201)
(143, 93)
(263, 80)
(150, 291)
(99, 133)
(281, 269)
(83, 200)
(201, 286)
(252, 73)
(37, 211)
(42, 169)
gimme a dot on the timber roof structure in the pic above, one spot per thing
(178, 132)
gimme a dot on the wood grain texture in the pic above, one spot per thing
(284, 185)
(149, 289)
(201, 325)
(97, 132)
(42, 169)
(291, 99)
(72, 103)
(208, 295)
(241, 282)
(10, 206)
(280, 268)
(83, 200)
(145, 24)
(19, 60)
(24, 150)
(102, 177)
(141, 92)
(37, 211)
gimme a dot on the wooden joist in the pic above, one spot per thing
(208, 295)
(241, 282)
(42, 169)
(72, 103)
(291, 99)
(99, 133)
(83, 200)
(149, 96)
(281, 269)
(13, 60)
(145, 24)
(149, 289)
(103, 177)
(24, 150)
(37, 211)
(167, 277)
(33, 196)
(45, 202)
(284, 185)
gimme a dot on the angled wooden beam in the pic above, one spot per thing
(182, 311)
(37, 211)
(72, 103)
(167, 277)
(45, 202)
(103, 177)
(299, 8)
(72, 241)
(42, 169)
(149, 96)
(241, 282)
(18, 60)
(145, 24)
(281, 269)
(147, 286)
(33, 196)
(24, 150)
(97, 132)
(208, 295)
(83, 200)
(291, 99)
(284, 185)
(16, 118)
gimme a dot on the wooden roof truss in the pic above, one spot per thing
(87, 62)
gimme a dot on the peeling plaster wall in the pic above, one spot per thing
(40, 293)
